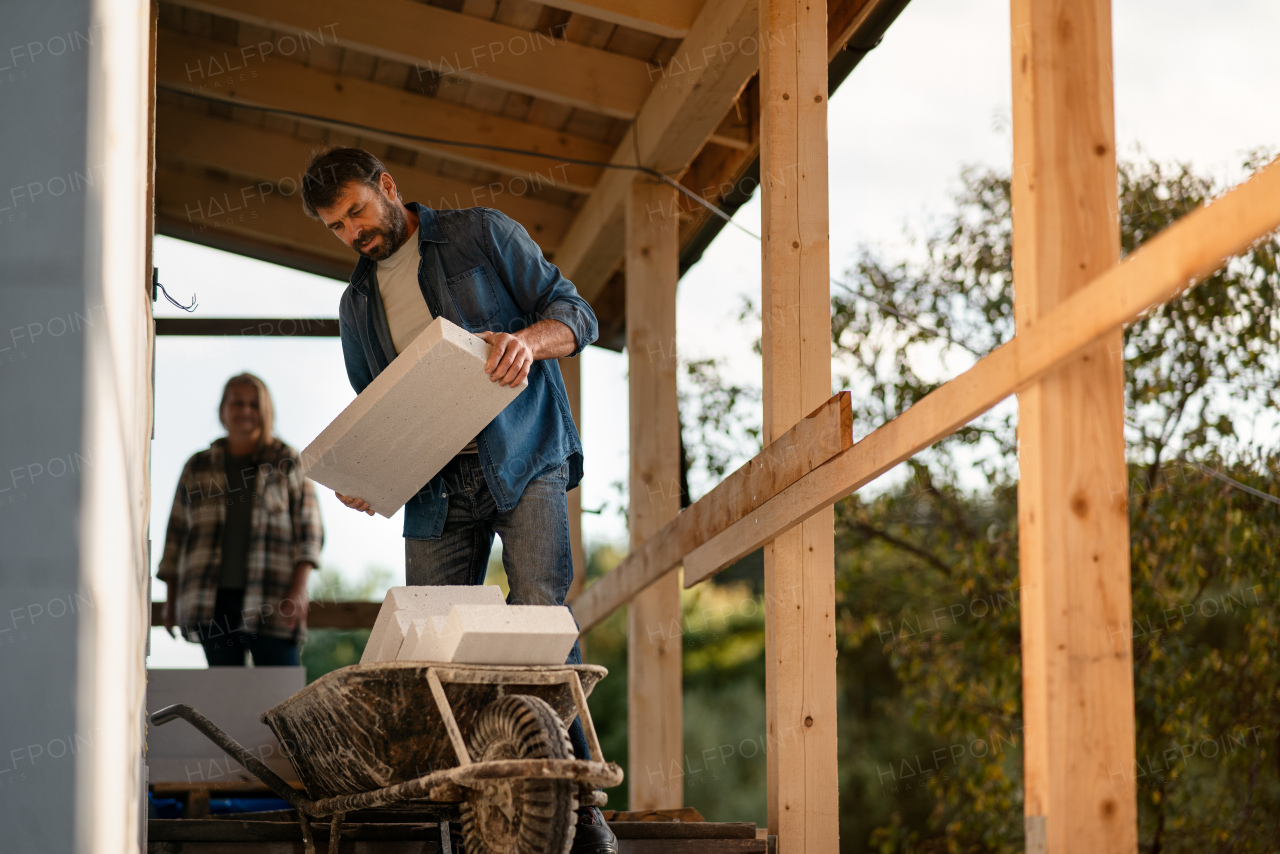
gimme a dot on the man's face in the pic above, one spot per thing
(370, 220)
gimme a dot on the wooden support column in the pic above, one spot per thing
(803, 798)
(654, 711)
(571, 370)
(1073, 522)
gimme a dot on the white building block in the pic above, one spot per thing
(429, 403)
(422, 641)
(403, 605)
(234, 698)
(508, 634)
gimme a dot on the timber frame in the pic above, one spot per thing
(245, 90)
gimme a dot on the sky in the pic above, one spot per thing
(1194, 83)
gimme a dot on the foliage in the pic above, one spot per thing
(927, 572)
(722, 637)
(329, 649)
(716, 433)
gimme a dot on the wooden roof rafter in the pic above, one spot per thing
(262, 156)
(540, 64)
(698, 121)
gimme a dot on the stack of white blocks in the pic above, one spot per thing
(468, 625)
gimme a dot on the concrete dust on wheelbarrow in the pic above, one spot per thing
(484, 746)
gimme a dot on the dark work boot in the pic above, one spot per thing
(592, 835)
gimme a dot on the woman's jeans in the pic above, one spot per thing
(535, 545)
(224, 647)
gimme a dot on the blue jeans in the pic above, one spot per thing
(226, 648)
(535, 545)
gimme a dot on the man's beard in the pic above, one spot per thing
(393, 226)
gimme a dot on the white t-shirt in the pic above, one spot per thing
(402, 300)
(406, 309)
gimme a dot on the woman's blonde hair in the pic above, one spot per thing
(266, 410)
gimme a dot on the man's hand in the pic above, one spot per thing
(510, 360)
(354, 503)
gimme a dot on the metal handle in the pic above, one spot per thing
(235, 750)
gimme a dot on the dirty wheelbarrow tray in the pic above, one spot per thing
(373, 735)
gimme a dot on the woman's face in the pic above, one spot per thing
(240, 412)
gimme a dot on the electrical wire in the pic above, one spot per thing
(186, 308)
(928, 330)
(482, 146)
(1217, 475)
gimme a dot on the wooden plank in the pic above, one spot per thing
(726, 177)
(541, 64)
(690, 97)
(819, 437)
(229, 834)
(802, 787)
(571, 370)
(683, 829)
(654, 692)
(669, 18)
(199, 138)
(250, 245)
(304, 327)
(1073, 536)
(191, 205)
(192, 64)
(1162, 269)
(320, 614)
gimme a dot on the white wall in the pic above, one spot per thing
(74, 398)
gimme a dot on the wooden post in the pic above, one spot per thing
(803, 797)
(1073, 522)
(571, 370)
(654, 716)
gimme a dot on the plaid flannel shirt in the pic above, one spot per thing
(284, 529)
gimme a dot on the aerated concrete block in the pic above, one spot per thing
(422, 641)
(508, 634)
(233, 698)
(403, 605)
(429, 403)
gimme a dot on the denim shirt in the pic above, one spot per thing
(480, 269)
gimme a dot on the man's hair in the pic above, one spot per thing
(331, 170)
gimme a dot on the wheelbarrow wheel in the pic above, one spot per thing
(519, 816)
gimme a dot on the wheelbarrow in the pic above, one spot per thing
(485, 745)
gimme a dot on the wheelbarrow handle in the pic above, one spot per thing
(235, 750)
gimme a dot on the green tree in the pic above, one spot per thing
(927, 572)
(329, 649)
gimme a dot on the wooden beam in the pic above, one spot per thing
(728, 178)
(251, 245)
(540, 64)
(654, 692)
(799, 566)
(1161, 270)
(320, 614)
(199, 138)
(192, 205)
(859, 23)
(668, 18)
(1073, 533)
(819, 437)
(211, 69)
(689, 98)
(286, 327)
(571, 371)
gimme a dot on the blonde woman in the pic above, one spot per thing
(243, 537)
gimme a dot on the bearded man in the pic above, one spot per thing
(479, 269)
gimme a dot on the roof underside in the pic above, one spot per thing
(248, 89)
